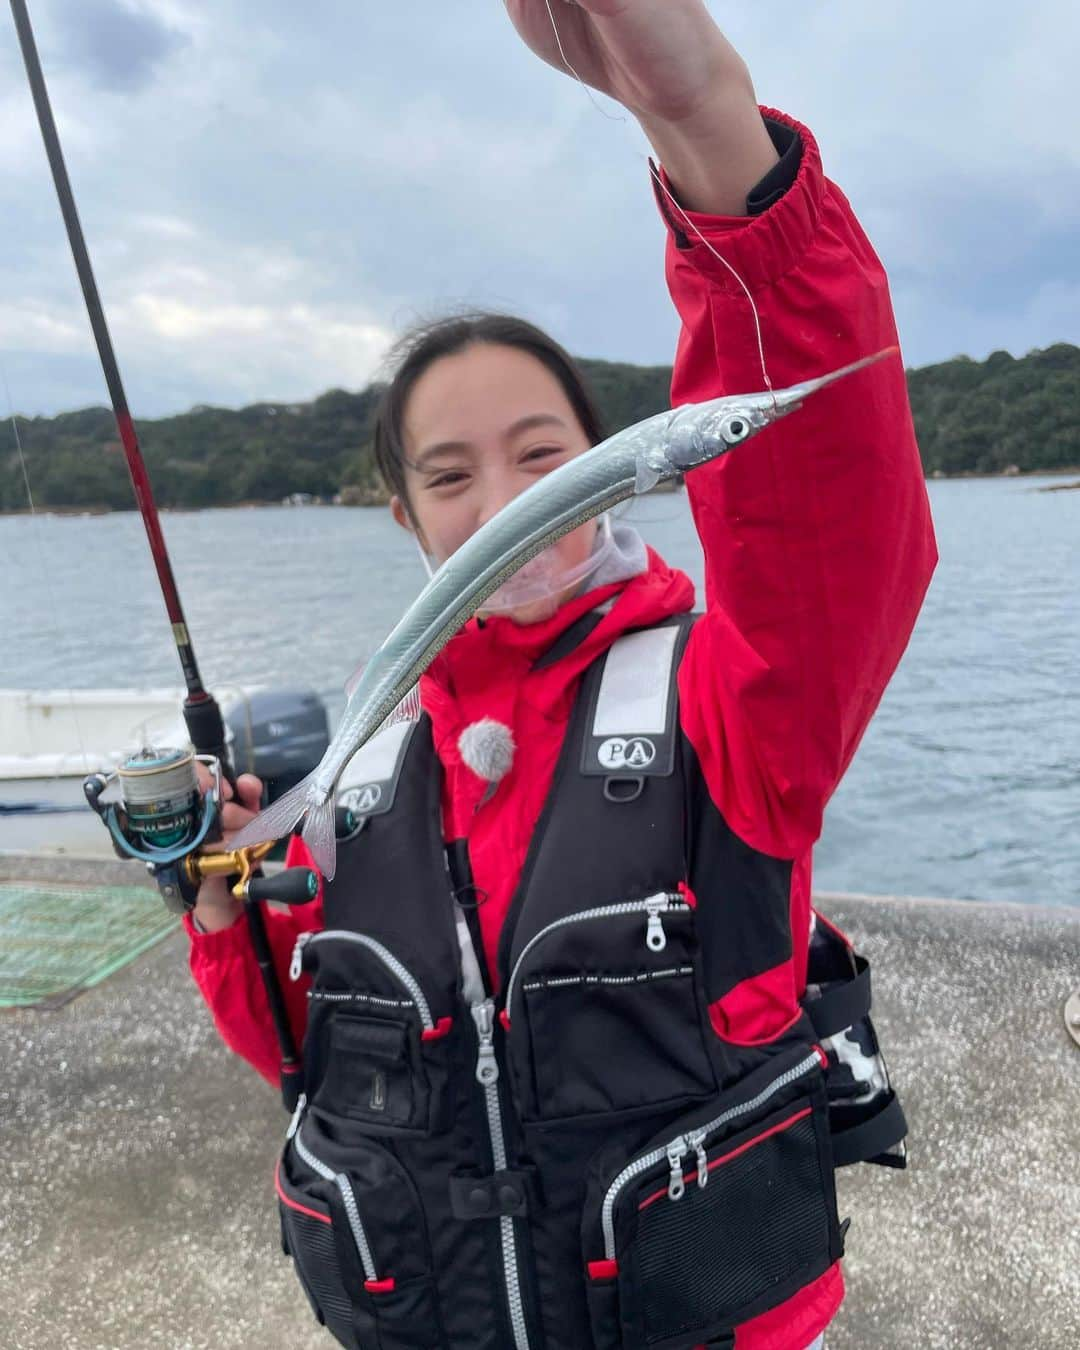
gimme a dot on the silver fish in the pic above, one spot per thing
(632, 461)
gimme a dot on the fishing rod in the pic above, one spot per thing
(162, 818)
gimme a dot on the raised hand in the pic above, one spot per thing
(668, 63)
(662, 59)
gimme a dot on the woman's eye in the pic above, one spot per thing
(542, 452)
(448, 479)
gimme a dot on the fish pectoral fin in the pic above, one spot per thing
(645, 477)
(278, 819)
(320, 837)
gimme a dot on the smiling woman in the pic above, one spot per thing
(579, 1059)
(452, 442)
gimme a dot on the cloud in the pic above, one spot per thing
(270, 191)
(117, 45)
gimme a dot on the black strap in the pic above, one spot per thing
(842, 1004)
(871, 1140)
(569, 639)
(503, 1194)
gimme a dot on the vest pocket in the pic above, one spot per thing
(726, 1214)
(358, 1240)
(373, 1073)
(375, 1052)
(604, 1017)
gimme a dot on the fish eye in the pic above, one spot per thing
(734, 428)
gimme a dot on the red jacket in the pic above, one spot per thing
(818, 549)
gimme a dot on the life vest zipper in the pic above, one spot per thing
(388, 959)
(344, 1185)
(693, 1142)
(482, 1009)
(655, 937)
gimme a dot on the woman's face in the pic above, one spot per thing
(479, 427)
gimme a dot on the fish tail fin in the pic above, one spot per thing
(280, 817)
(321, 836)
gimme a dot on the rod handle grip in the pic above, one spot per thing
(294, 886)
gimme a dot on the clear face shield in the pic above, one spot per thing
(546, 576)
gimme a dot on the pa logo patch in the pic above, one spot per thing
(362, 800)
(626, 752)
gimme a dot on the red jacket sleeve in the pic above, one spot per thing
(817, 534)
(230, 982)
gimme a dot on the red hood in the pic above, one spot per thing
(488, 666)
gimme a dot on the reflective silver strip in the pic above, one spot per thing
(376, 760)
(388, 959)
(335, 996)
(647, 905)
(636, 684)
(345, 1187)
(643, 977)
(656, 1155)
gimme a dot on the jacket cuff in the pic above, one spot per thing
(768, 190)
(760, 247)
(226, 942)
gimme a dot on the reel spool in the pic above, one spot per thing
(162, 818)
(161, 814)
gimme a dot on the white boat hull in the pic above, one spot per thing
(61, 733)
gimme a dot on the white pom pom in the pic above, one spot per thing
(487, 747)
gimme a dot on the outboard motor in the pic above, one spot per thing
(279, 735)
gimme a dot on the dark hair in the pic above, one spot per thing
(425, 344)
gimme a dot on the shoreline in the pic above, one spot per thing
(373, 501)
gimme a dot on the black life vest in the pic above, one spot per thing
(581, 1161)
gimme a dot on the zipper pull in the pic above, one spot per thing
(296, 965)
(697, 1144)
(655, 937)
(676, 1186)
(487, 1066)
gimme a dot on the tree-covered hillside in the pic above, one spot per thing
(972, 417)
(987, 416)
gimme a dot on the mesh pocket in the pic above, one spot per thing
(711, 1225)
(311, 1245)
(761, 1218)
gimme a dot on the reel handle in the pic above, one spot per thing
(294, 886)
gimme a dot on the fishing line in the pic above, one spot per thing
(658, 179)
(611, 117)
(46, 572)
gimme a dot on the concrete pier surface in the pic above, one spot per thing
(137, 1210)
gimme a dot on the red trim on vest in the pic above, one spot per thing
(379, 1286)
(726, 1157)
(759, 1009)
(798, 1320)
(822, 1056)
(603, 1270)
(832, 928)
(687, 894)
(439, 1030)
(294, 1204)
(504, 1018)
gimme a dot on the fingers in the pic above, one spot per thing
(249, 790)
(234, 817)
(243, 804)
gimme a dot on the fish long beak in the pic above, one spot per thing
(778, 403)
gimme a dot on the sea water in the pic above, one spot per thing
(967, 783)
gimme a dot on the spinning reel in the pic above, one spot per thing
(162, 819)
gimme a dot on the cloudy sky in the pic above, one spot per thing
(271, 190)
